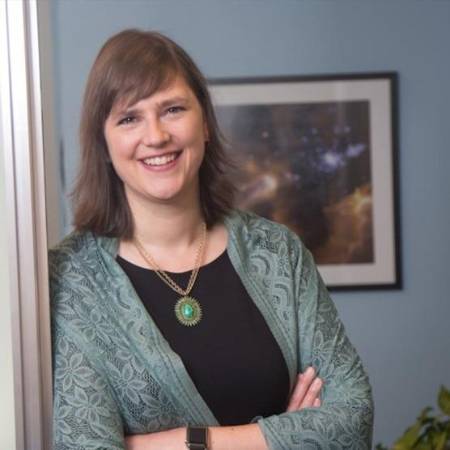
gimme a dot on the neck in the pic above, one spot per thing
(167, 226)
(171, 235)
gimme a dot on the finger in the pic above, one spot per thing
(295, 394)
(301, 388)
(312, 394)
(317, 403)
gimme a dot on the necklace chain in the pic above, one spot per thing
(163, 275)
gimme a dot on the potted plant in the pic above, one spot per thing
(430, 432)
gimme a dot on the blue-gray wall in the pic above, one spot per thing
(402, 336)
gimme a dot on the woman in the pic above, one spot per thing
(177, 321)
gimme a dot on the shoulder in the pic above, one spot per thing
(250, 223)
(76, 263)
(76, 276)
(73, 252)
(256, 232)
(269, 247)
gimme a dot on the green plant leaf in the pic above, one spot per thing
(422, 446)
(381, 447)
(424, 414)
(424, 417)
(401, 446)
(440, 441)
(444, 400)
(409, 438)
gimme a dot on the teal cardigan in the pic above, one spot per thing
(115, 374)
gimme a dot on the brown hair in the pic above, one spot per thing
(132, 65)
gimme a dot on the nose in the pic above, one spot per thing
(155, 135)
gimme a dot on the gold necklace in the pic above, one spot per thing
(187, 309)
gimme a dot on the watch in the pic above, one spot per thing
(197, 438)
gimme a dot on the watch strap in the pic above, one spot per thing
(197, 438)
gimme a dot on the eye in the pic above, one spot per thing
(127, 120)
(175, 109)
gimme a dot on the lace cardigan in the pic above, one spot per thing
(115, 374)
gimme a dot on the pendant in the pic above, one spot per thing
(188, 311)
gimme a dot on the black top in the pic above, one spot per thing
(231, 355)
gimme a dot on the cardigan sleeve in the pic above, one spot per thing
(345, 419)
(85, 413)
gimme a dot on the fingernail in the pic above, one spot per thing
(317, 382)
(310, 370)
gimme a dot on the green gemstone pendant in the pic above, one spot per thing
(188, 311)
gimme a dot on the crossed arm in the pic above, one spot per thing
(306, 394)
(87, 416)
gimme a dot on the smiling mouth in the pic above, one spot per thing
(161, 160)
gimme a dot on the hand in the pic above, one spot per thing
(306, 393)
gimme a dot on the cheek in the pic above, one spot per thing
(193, 130)
(119, 146)
(195, 153)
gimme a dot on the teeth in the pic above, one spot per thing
(160, 160)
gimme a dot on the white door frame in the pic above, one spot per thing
(23, 149)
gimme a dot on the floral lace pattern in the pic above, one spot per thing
(115, 374)
(285, 271)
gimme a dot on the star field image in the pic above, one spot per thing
(307, 166)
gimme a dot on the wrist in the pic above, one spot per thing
(197, 438)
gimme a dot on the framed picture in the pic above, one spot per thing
(319, 154)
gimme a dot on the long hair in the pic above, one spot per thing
(132, 65)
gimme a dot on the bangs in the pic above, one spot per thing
(137, 70)
(142, 85)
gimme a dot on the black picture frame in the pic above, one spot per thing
(319, 153)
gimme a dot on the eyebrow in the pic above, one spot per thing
(172, 100)
(164, 104)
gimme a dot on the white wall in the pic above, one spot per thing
(7, 427)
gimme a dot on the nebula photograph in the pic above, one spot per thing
(308, 166)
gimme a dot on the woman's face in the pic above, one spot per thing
(157, 145)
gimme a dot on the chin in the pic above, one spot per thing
(166, 196)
